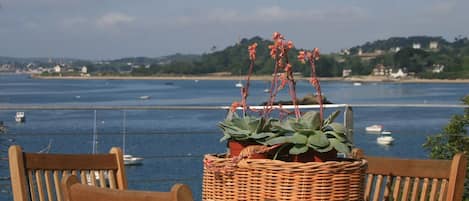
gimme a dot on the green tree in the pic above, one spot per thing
(452, 140)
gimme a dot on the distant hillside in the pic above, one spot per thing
(155, 60)
(401, 42)
(235, 60)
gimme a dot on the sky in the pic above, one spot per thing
(111, 29)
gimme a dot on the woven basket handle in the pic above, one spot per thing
(247, 152)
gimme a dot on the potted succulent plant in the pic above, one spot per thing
(301, 138)
(244, 131)
(308, 137)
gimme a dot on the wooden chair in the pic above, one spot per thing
(405, 179)
(75, 191)
(36, 177)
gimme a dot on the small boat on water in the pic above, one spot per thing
(20, 117)
(376, 128)
(128, 159)
(132, 160)
(239, 84)
(357, 84)
(144, 97)
(385, 138)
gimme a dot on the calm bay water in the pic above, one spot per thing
(173, 142)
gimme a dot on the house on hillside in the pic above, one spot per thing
(381, 70)
(433, 45)
(57, 69)
(84, 69)
(416, 45)
(346, 72)
(399, 74)
(438, 68)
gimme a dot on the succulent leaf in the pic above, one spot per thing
(336, 127)
(318, 140)
(279, 140)
(298, 138)
(331, 117)
(311, 120)
(340, 147)
(298, 149)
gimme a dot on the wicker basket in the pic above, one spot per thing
(265, 179)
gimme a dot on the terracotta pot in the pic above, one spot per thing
(314, 156)
(235, 147)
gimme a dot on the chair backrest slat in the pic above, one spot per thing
(58, 191)
(48, 183)
(32, 187)
(31, 173)
(397, 188)
(39, 184)
(377, 188)
(425, 184)
(415, 180)
(434, 190)
(112, 180)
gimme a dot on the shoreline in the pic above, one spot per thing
(364, 79)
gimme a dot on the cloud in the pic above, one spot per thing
(113, 19)
(273, 14)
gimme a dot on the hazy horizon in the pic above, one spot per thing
(110, 29)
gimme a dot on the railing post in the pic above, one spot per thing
(348, 122)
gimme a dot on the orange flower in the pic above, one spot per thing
(314, 81)
(277, 36)
(301, 56)
(273, 51)
(234, 106)
(252, 51)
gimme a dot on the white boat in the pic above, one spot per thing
(376, 128)
(385, 138)
(266, 90)
(20, 117)
(144, 97)
(128, 159)
(357, 84)
(239, 84)
(132, 160)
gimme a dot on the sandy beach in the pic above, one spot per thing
(212, 77)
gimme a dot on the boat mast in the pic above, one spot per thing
(123, 132)
(95, 135)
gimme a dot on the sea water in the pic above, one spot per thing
(173, 142)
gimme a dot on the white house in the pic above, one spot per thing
(399, 74)
(84, 70)
(438, 68)
(395, 49)
(433, 45)
(416, 45)
(57, 69)
(346, 72)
